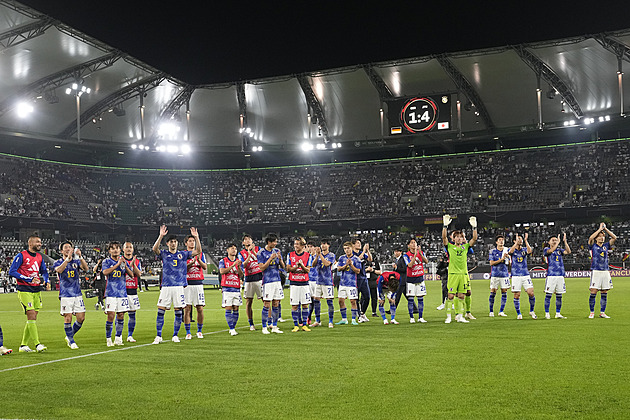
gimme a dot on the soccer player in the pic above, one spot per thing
(270, 261)
(252, 277)
(230, 271)
(324, 261)
(70, 297)
(386, 285)
(457, 267)
(131, 283)
(468, 294)
(311, 248)
(520, 275)
(600, 274)
(174, 270)
(115, 269)
(415, 260)
(442, 271)
(193, 293)
(29, 270)
(3, 350)
(349, 268)
(555, 273)
(298, 266)
(499, 275)
(364, 255)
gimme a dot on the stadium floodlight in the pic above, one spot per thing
(78, 90)
(134, 146)
(572, 122)
(607, 118)
(171, 148)
(307, 147)
(185, 149)
(339, 145)
(24, 109)
(168, 130)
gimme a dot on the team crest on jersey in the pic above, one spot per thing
(179, 256)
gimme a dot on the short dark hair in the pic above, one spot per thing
(113, 244)
(311, 243)
(496, 238)
(187, 238)
(355, 240)
(247, 235)
(271, 237)
(65, 242)
(230, 245)
(171, 237)
(398, 248)
(457, 233)
(411, 239)
(324, 241)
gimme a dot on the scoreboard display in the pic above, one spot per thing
(419, 114)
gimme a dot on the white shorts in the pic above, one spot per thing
(116, 304)
(348, 292)
(253, 288)
(312, 286)
(172, 295)
(499, 283)
(231, 299)
(323, 291)
(72, 305)
(519, 282)
(416, 289)
(194, 295)
(273, 291)
(601, 280)
(555, 284)
(134, 302)
(300, 295)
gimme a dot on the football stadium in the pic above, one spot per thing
(440, 234)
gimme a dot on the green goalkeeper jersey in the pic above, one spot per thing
(458, 258)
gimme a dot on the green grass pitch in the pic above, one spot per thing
(491, 368)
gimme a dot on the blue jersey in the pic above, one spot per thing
(174, 268)
(519, 262)
(312, 273)
(116, 280)
(272, 273)
(324, 273)
(555, 264)
(498, 270)
(69, 280)
(348, 278)
(599, 256)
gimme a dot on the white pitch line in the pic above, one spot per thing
(99, 352)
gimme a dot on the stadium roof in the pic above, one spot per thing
(562, 84)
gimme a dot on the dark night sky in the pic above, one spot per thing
(212, 42)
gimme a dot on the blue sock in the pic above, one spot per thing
(603, 301)
(265, 316)
(108, 329)
(392, 311)
(275, 314)
(68, 328)
(591, 301)
(305, 315)
(311, 309)
(317, 306)
(547, 302)
(179, 315)
(76, 327)
(295, 314)
(279, 310)
(331, 310)
(344, 313)
(251, 322)
(234, 318)
(491, 300)
(517, 306)
(532, 303)
(199, 327)
(187, 328)
(355, 313)
(410, 306)
(131, 324)
(159, 321)
(120, 324)
(503, 300)
(1, 338)
(420, 306)
(558, 303)
(228, 317)
(381, 309)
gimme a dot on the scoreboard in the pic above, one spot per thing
(419, 114)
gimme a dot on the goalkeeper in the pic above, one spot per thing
(457, 267)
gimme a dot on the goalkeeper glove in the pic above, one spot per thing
(473, 222)
(447, 220)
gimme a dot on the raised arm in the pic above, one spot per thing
(567, 249)
(473, 222)
(195, 234)
(591, 239)
(446, 219)
(156, 245)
